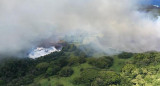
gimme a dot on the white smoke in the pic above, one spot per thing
(41, 51)
(120, 24)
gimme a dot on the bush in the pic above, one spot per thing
(98, 82)
(125, 55)
(73, 61)
(21, 81)
(76, 60)
(66, 72)
(102, 62)
(109, 78)
(128, 68)
(49, 71)
(87, 76)
(58, 84)
(92, 61)
(144, 59)
(81, 60)
(42, 66)
(2, 82)
(77, 80)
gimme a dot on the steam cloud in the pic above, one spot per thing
(118, 22)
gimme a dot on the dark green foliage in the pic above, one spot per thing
(127, 69)
(98, 82)
(52, 70)
(92, 61)
(125, 55)
(69, 48)
(14, 68)
(77, 80)
(49, 71)
(66, 72)
(76, 60)
(59, 84)
(41, 67)
(102, 62)
(108, 78)
(143, 59)
(81, 60)
(22, 81)
(86, 77)
(15, 71)
(73, 61)
(55, 67)
(1, 82)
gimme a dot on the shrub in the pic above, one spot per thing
(77, 80)
(109, 78)
(42, 66)
(92, 61)
(2, 82)
(128, 68)
(73, 61)
(76, 60)
(125, 55)
(66, 72)
(87, 76)
(59, 84)
(102, 62)
(81, 60)
(144, 59)
(49, 71)
(98, 82)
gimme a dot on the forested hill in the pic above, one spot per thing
(72, 67)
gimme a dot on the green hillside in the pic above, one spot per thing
(73, 67)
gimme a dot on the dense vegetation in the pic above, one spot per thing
(72, 67)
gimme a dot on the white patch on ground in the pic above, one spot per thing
(41, 51)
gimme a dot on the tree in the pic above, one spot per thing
(59, 84)
(128, 68)
(125, 55)
(109, 78)
(92, 61)
(49, 71)
(87, 76)
(101, 62)
(66, 72)
(104, 62)
(73, 61)
(42, 67)
(81, 60)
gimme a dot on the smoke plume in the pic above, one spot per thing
(117, 24)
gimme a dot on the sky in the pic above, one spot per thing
(155, 2)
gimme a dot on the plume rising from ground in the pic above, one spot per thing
(118, 23)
